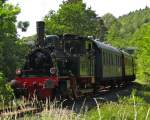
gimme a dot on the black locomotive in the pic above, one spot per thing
(83, 65)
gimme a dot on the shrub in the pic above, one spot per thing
(6, 92)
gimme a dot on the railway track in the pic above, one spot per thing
(104, 95)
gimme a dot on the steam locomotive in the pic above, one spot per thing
(71, 65)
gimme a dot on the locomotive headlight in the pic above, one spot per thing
(18, 72)
(49, 84)
(53, 70)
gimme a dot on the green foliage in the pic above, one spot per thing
(133, 21)
(8, 36)
(6, 93)
(126, 25)
(22, 49)
(74, 18)
(109, 19)
(101, 30)
(114, 31)
(141, 39)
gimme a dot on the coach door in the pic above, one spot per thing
(98, 65)
(87, 61)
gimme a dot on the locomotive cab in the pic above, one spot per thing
(74, 60)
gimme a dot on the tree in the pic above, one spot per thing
(8, 36)
(6, 92)
(133, 21)
(72, 17)
(108, 19)
(72, 1)
(101, 30)
(114, 31)
(141, 40)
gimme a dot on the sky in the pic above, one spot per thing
(35, 10)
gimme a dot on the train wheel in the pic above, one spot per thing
(118, 84)
(113, 85)
(57, 93)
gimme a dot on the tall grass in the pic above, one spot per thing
(134, 107)
(127, 108)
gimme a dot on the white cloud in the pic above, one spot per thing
(34, 10)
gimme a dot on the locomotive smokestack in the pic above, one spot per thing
(40, 27)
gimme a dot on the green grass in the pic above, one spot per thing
(125, 109)
(134, 107)
(143, 90)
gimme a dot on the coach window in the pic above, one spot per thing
(113, 59)
(103, 57)
(106, 58)
(109, 58)
(116, 60)
(120, 61)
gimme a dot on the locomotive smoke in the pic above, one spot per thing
(40, 27)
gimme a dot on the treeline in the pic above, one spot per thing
(125, 26)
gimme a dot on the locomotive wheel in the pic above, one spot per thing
(113, 85)
(118, 84)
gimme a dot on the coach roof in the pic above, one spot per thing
(106, 46)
